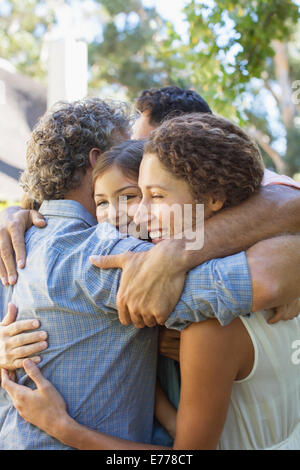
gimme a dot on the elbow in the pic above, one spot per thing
(265, 288)
(266, 294)
(289, 206)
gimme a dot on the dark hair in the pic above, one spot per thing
(214, 156)
(127, 156)
(169, 102)
(58, 150)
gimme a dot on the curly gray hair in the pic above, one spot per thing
(58, 151)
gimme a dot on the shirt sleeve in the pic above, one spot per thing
(101, 286)
(220, 288)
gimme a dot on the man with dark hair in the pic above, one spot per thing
(158, 104)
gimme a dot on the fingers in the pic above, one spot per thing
(3, 273)
(11, 315)
(9, 385)
(25, 351)
(15, 345)
(36, 219)
(110, 261)
(35, 374)
(18, 244)
(28, 338)
(12, 244)
(127, 318)
(285, 312)
(22, 221)
(4, 379)
(276, 317)
(18, 363)
(149, 321)
(123, 312)
(7, 256)
(22, 325)
(138, 320)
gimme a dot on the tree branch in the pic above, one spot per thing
(264, 141)
(270, 89)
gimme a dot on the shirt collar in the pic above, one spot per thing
(67, 208)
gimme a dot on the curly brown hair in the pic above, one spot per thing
(214, 156)
(58, 151)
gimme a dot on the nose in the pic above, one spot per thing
(143, 213)
(112, 214)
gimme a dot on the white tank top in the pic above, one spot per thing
(264, 410)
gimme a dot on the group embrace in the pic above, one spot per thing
(140, 333)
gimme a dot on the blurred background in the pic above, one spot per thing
(242, 56)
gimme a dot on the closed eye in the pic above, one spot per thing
(130, 196)
(102, 204)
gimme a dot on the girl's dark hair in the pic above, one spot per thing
(127, 156)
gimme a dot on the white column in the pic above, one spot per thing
(67, 70)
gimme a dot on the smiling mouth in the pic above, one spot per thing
(159, 234)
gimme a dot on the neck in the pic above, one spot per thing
(84, 195)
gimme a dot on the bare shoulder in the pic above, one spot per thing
(230, 345)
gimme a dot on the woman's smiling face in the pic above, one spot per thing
(161, 191)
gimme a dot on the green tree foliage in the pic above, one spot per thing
(126, 52)
(238, 56)
(242, 56)
(23, 24)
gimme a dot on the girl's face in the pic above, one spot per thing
(161, 191)
(116, 196)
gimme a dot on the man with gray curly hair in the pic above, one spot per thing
(66, 141)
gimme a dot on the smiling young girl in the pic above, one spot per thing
(115, 180)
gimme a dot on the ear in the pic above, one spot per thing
(216, 204)
(93, 155)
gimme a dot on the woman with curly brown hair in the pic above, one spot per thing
(238, 389)
(207, 158)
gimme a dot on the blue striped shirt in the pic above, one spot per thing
(105, 371)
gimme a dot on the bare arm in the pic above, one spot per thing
(275, 271)
(274, 210)
(211, 357)
(46, 409)
(165, 412)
